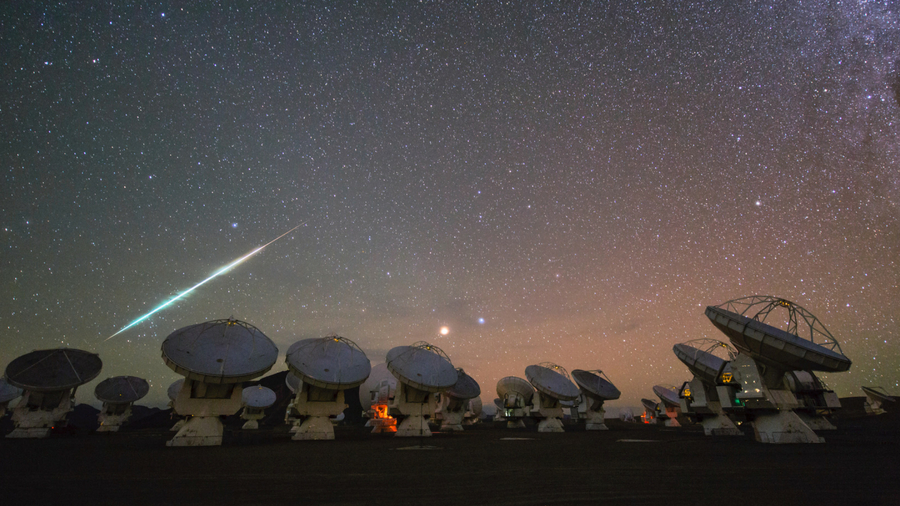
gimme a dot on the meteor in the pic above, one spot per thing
(219, 272)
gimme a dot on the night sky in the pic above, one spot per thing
(554, 181)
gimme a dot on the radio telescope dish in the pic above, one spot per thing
(118, 394)
(293, 382)
(513, 388)
(422, 366)
(53, 370)
(174, 388)
(876, 398)
(215, 357)
(255, 400)
(49, 379)
(666, 394)
(455, 401)
(650, 410)
(121, 389)
(552, 380)
(7, 393)
(776, 336)
(326, 366)
(698, 356)
(596, 389)
(422, 370)
(670, 403)
(553, 386)
(333, 362)
(219, 351)
(743, 321)
(595, 384)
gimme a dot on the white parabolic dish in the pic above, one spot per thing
(774, 346)
(292, 381)
(174, 388)
(667, 395)
(121, 389)
(871, 392)
(51, 370)
(550, 382)
(702, 364)
(465, 387)
(333, 362)
(595, 385)
(649, 405)
(219, 351)
(8, 392)
(421, 367)
(258, 397)
(516, 385)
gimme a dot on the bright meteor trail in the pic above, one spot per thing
(219, 272)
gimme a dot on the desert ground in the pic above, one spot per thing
(631, 463)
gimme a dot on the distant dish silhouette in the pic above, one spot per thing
(215, 357)
(121, 389)
(455, 401)
(49, 379)
(596, 390)
(553, 385)
(651, 410)
(7, 393)
(669, 403)
(293, 382)
(255, 400)
(326, 366)
(515, 395)
(422, 371)
(117, 395)
(174, 388)
(876, 399)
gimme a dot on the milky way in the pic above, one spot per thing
(567, 182)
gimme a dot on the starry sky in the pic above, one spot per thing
(571, 182)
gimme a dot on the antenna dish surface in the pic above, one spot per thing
(174, 388)
(332, 362)
(552, 380)
(9, 392)
(422, 366)
(702, 364)
(465, 387)
(513, 384)
(772, 345)
(871, 392)
(668, 396)
(649, 405)
(219, 351)
(50, 370)
(121, 389)
(595, 385)
(258, 397)
(292, 381)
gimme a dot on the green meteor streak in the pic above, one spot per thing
(219, 272)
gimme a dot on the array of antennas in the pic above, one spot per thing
(759, 307)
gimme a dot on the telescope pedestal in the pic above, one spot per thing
(316, 405)
(551, 412)
(595, 419)
(783, 427)
(454, 410)
(417, 406)
(253, 416)
(199, 431)
(112, 416)
(204, 403)
(38, 412)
